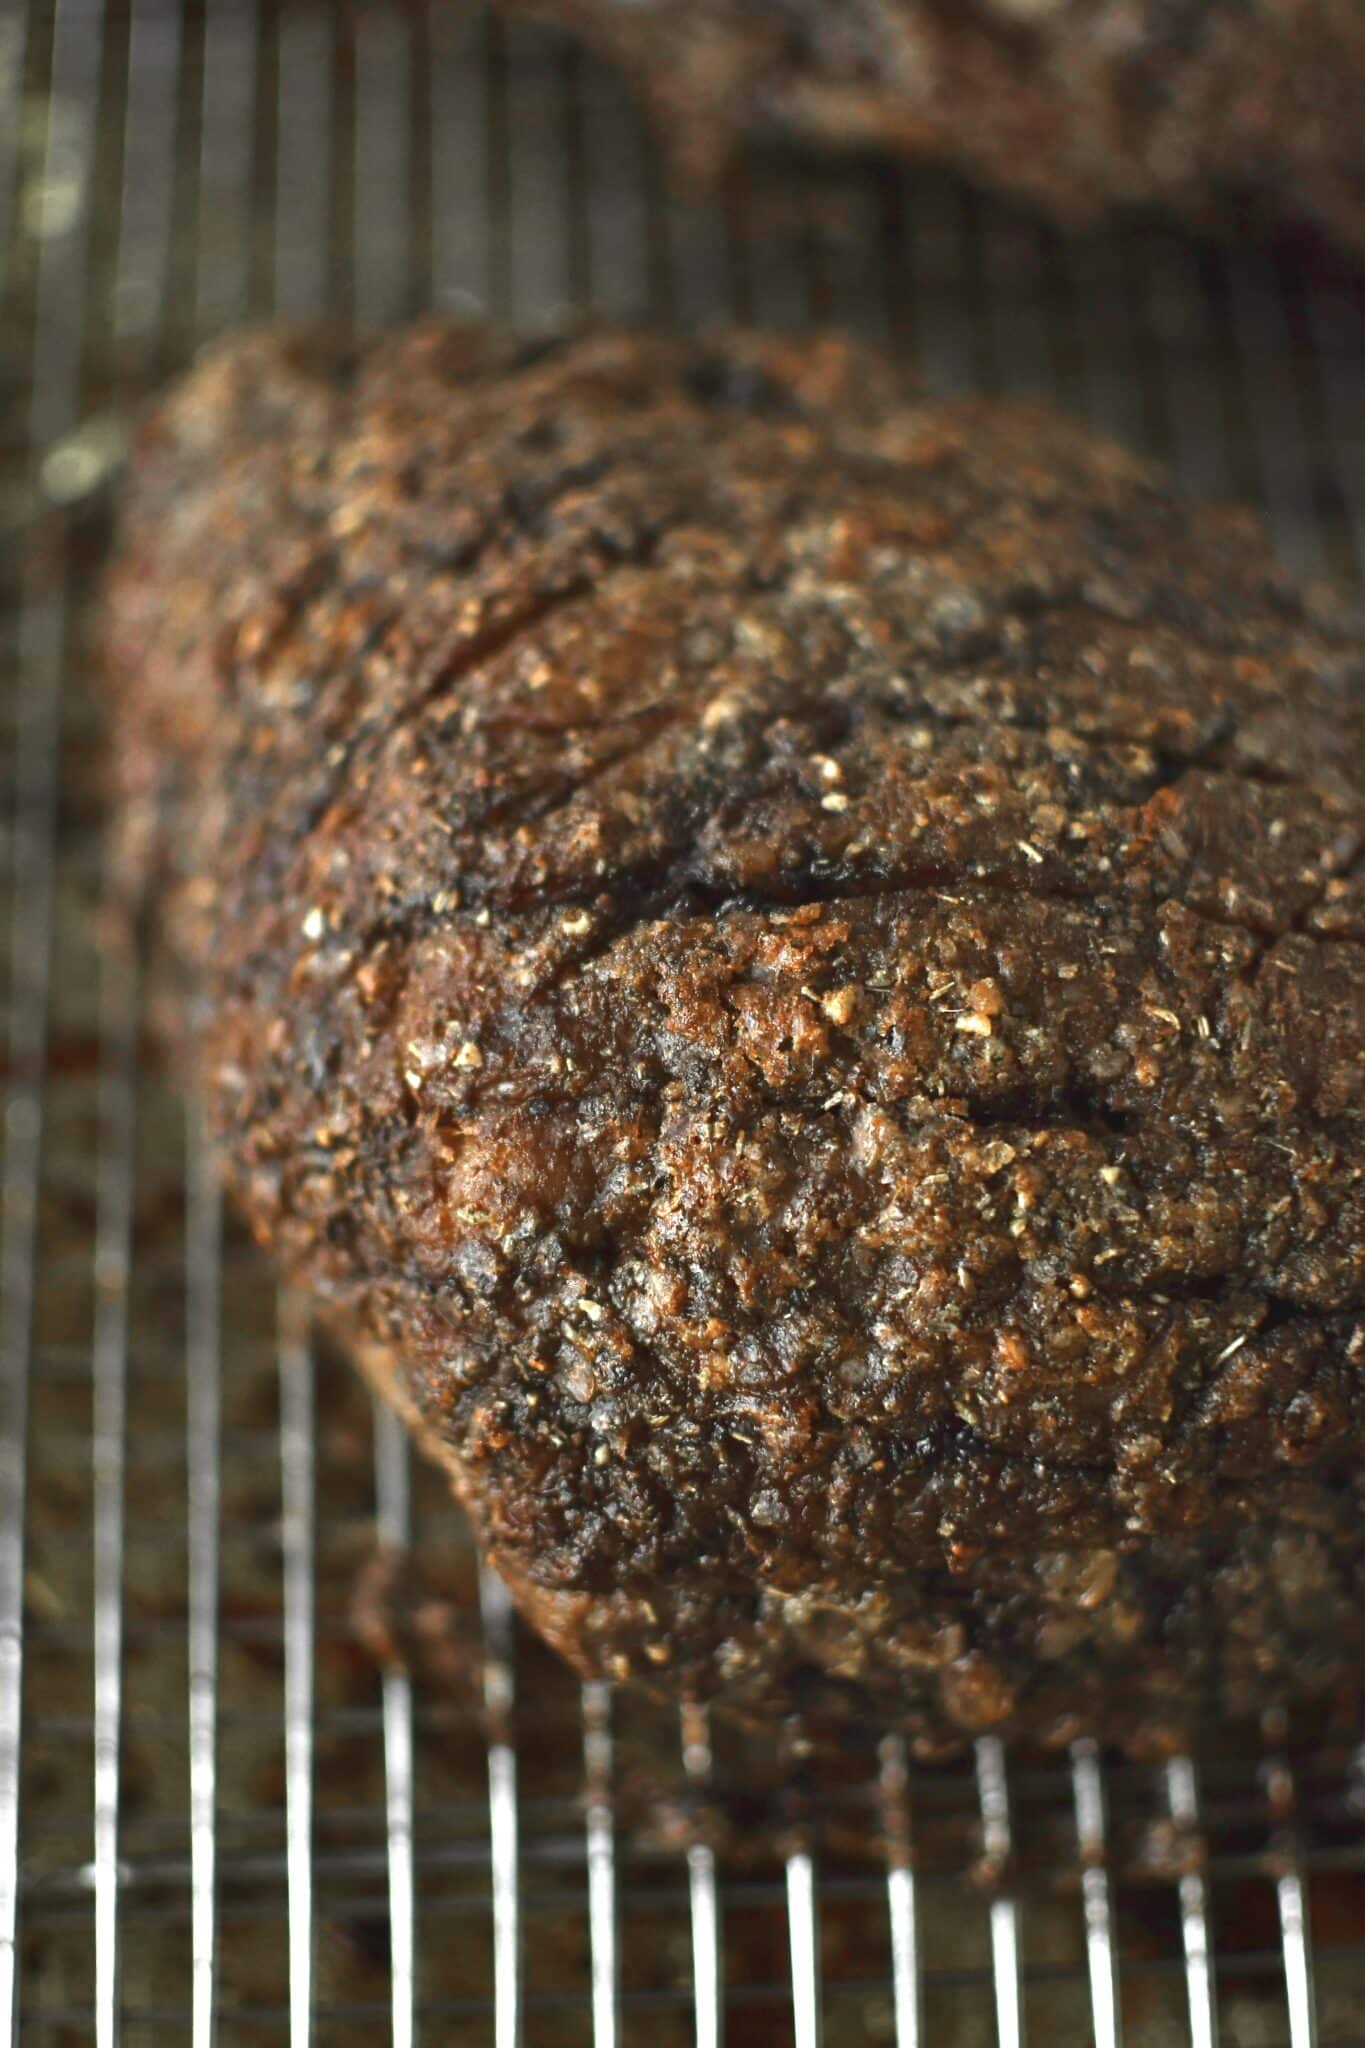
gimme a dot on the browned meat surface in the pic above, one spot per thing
(1219, 109)
(786, 963)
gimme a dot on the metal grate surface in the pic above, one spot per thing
(219, 1819)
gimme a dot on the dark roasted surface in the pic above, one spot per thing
(1219, 109)
(786, 964)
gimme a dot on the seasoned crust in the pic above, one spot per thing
(785, 962)
(1220, 111)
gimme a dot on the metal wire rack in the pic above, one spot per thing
(219, 1818)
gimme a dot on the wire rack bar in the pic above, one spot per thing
(536, 175)
(1336, 323)
(1274, 401)
(227, 135)
(1016, 327)
(499, 1693)
(1298, 1976)
(41, 635)
(902, 1896)
(393, 1519)
(601, 1861)
(619, 269)
(1290, 1894)
(1096, 1895)
(57, 216)
(382, 261)
(109, 1372)
(217, 74)
(14, 26)
(1111, 387)
(203, 1396)
(298, 1546)
(997, 1841)
(1177, 343)
(303, 162)
(702, 1887)
(141, 282)
(462, 174)
(382, 170)
(943, 328)
(804, 1938)
(1182, 1795)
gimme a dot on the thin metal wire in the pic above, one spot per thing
(137, 293)
(381, 261)
(1024, 363)
(382, 257)
(393, 1525)
(224, 91)
(696, 287)
(54, 407)
(538, 225)
(469, 176)
(203, 1397)
(1182, 1797)
(601, 1856)
(993, 1798)
(227, 134)
(1274, 407)
(499, 1695)
(461, 161)
(770, 280)
(1101, 1954)
(946, 331)
(1298, 1975)
(804, 1936)
(298, 1543)
(13, 42)
(303, 155)
(902, 1897)
(41, 635)
(767, 284)
(383, 137)
(109, 1372)
(617, 191)
(1112, 386)
(1290, 1894)
(702, 1887)
(57, 214)
(1336, 322)
(1017, 323)
(1178, 351)
(140, 287)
